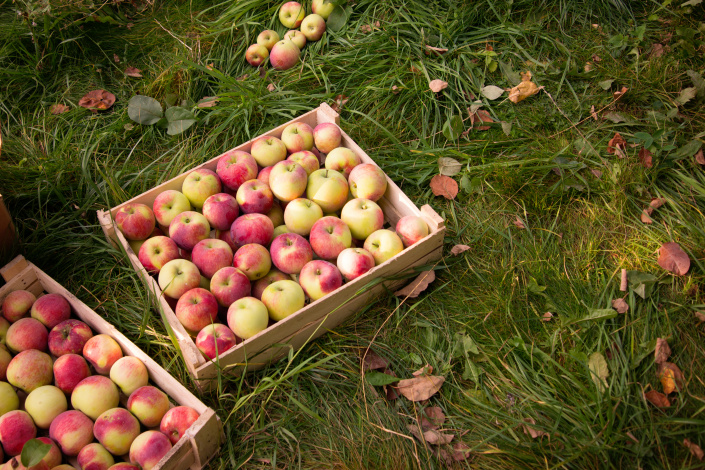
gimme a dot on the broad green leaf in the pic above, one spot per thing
(596, 314)
(464, 344)
(453, 128)
(171, 99)
(491, 92)
(645, 138)
(378, 379)
(471, 372)
(605, 84)
(534, 286)
(511, 75)
(144, 110)
(641, 283)
(691, 3)
(687, 151)
(33, 452)
(449, 166)
(179, 119)
(337, 19)
(599, 370)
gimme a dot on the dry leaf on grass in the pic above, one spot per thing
(646, 158)
(417, 286)
(460, 451)
(340, 101)
(116, 58)
(437, 85)
(420, 388)
(372, 361)
(58, 108)
(646, 215)
(662, 351)
(433, 419)
(547, 316)
(657, 202)
(395, 89)
(431, 436)
(671, 257)
(271, 87)
(208, 102)
(657, 50)
(700, 316)
(671, 377)
(97, 100)
(457, 249)
(699, 157)
(523, 90)
(519, 223)
(596, 173)
(617, 145)
(445, 186)
(600, 371)
(694, 449)
(618, 94)
(620, 305)
(425, 370)
(528, 430)
(657, 399)
(480, 116)
(133, 72)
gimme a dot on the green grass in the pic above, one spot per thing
(314, 409)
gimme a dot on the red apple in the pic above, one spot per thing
(16, 428)
(26, 333)
(189, 228)
(290, 252)
(291, 14)
(411, 229)
(285, 54)
(30, 369)
(72, 431)
(148, 404)
(256, 55)
(129, 373)
(288, 180)
(268, 150)
(135, 221)
(119, 466)
(148, 449)
(252, 228)
(210, 255)
(267, 38)
(255, 196)
(53, 457)
(176, 422)
(225, 236)
(354, 262)
(307, 159)
(196, 309)
(342, 159)
(235, 167)
(95, 457)
(17, 304)
(69, 370)
(329, 237)
(168, 205)
(313, 27)
(220, 210)
(228, 285)
(69, 337)
(323, 8)
(102, 351)
(155, 252)
(297, 136)
(327, 136)
(95, 395)
(272, 276)
(253, 260)
(367, 181)
(199, 185)
(319, 278)
(263, 175)
(297, 37)
(116, 429)
(215, 339)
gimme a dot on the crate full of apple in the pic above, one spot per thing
(79, 394)
(271, 242)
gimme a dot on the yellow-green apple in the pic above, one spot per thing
(189, 228)
(313, 27)
(65, 466)
(178, 277)
(220, 210)
(135, 221)
(300, 215)
(129, 373)
(278, 230)
(272, 276)
(256, 54)
(69, 337)
(116, 429)
(254, 196)
(276, 215)
(363, 217)
(288, 180)
(367, 181)
(268, 150)
(199, 185)
(282, 298)
(204, 284)
(72, 430)
(291, 14)
(210, 255)
(326, 136)
(148, 449)
(44, 404)
(5, 325)
(252, 228)
(225, 236)
(121, 466)
(69, 370)
(148, 404)
(319, 278)
(307, 159)
(155, 252)
(5, 358)
(323, 8)
(29, 370)
(329, 236)
(215, 339)
(263, 174)
(342, 159)
(95, 395)
(297, 37)
(411, 229)
(95, 457)
(235, 167)
(26, 333)
(16, 428)
(297, 136)
(290, 252)
(102, 351)
(228, 285)
(176, 422)
(253, 260)
(285, 54)
(17, 304)
(196, 309)
(247, 317)
(328, 189)
(53, 457)
(9, 401)
(383, 244)
(267, 38)
(168, 205)
(354, 262)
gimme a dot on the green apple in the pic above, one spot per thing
(300, 215)
(247, 317)
(363, 217)
(283, 298)
(8, 398)
(383, 245)
(44, 404)
(328, 189)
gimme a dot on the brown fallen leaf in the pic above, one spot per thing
(437, 50)
(596, 173)
(700, 316)
(480, 116)
(657, 50)
(519, 223)
(339, 102)
(620, 305)
(372, 361)
(523, 90)
(596, 58)
(97, 100)
(646, 158)
(58, 108)
(133, 72)
(694, 449)
(657, 202)
(425, 370)
(617, 145)
(435, 437)
(671, 377)
(389, 391)
(395, 89)
(588, 66)
(116, 58)
(417, 286)
(437, 85)
(420, 388)
(208, 102)
(699, 157)
(646, 215)
(445, 186)
(547, 316)
(457, 249)
(671, 257)
(528, 430)
(460, 452)
(618, 94)
(271, 87)
(433, 419)
(657, 399)
(662, 351)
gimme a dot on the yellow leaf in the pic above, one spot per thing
(523, 90)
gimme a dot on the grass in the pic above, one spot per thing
(314, 409)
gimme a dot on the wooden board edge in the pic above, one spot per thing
(13, 268)
(206, 436)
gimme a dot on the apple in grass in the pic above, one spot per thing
(44, 404)
(69, 371)
(272, 276)
(285, 54)
(178, 277)
(136, 221)
(220, 210)
(196, 309)
(276, 215)
(329, 237)
(176, 422)
(354, 262)
(252, 228)
(26, 333)
(290, 252)
(291, 14)
(256, 55)
(17, 304)
(363, 217)
(69, 337)
(72, 431)
(215, 339)
(129, 373)
(323, 8)
(116, 429)
(328, 189)
(247, 317)
(383, 245)
(169, 204)
(148, 404)
(342, 159)
(288, 180)
(367, 181)
(210, 255)
(267, 38)
(253, 260)
(268, 150)
(282, 298)
(95, 457)
(313, 27)
(307, 159)
(411, 229)
(189, 228)
(148, 449)
(235, 167)
(228, 285)
(255, 196)
(263, 174)
(102, 351)
(9, 401)
(297, 37)
(300, 215)
(16, 428)
(155, 252)
(297, 136)
(326, 136)
(319, 278)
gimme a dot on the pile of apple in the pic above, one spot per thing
(72, 393)
(285, 54)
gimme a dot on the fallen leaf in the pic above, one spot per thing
(588, 66)
(686, 95)
(656, 50)
(519, 223)
(425, 370)
(208, 102)
(599, 370)
(437, 85)
(646, 215)
(614, 117)
(481, 116)
(700, 316)
(417, 286)
(271, 87)
(672, 258)
(130, 25)
(694, 449)
(457, 249)
(116, 58)
(97, 100)
(62, 108)
(645, 157)
(445, 186)
(620, 305)
(242, 77)
(372, 361)
(420, 388)
(596, 58)
(460, 452)
(662, 351)
(657, 202)
(699, 158)
(133, 72)
(523, 90)
(340, 101)
(657, 399)
(618, 94)
(547, 316)
(671, 377)
(534, 433)
(437, 50)
(617, 145)
(435, 437)
(593, 113)
(597, 173)
(365, 28)
(395, 89)
(506, 127)
(449, 166)
(492, 92)
(433, 419)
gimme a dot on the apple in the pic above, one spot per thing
(327, 136)
(69, 337)
(300, 215)
(288, 180)
(29, 370)
(354, 262)
(53, 457)
(5, 325)
(253, 260)
(26, 333)
(116, 429)
(255, 196)
(307, 159)
(189, 228)
(220, 210)
(16, 428)
(367, 181)
(51, 309)
(184, 254)
(313, 27)
(44, 404)
(282, 298)
(411, 229)
(383, 245)
(228, 285)
(102, 351)
(329, 237)
(252, 228)
(95, 457)
(290, 252)
(272, 276)
(129, 373)
(148, 404)
(319, 278)
(297, 137)
(135, 221)
(268, 150)
(323, 8)
(120, 466)
(178, 277)
(215, 339)
(276, 215)
(363, 217)
(9, 401)
(176, 422)
(267, 38)
(169, 204)
(95, 395)
(5, 358)
(328, 189)
(291, 14)
(235, 167)
(155, 252)
(199, 185)
(247, 317)
(263, 174)
(210, 255)
(148, 449)
(72, 431)
(196, 309)
(69, 370)
(342, 159)
(66, 466)
(285, 54)
(225, 236)
(279, 230)
(256, 55)
(297, 37)
(17, 304)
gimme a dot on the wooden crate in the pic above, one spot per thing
(7, 229)
(317, 317)
(202, 440)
